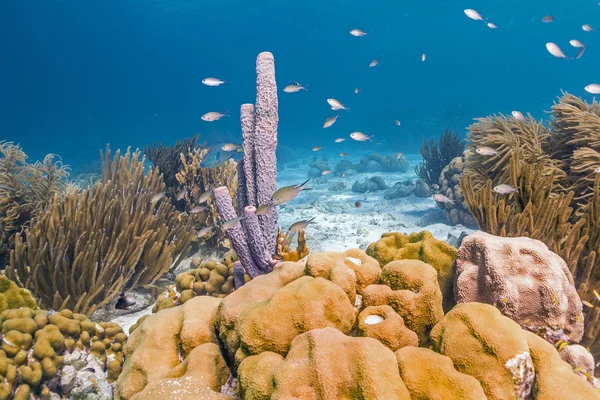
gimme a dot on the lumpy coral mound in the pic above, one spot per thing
(338, 325)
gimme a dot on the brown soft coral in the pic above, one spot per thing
(410, 288)
(524, 280)
(418, 246)
(326, 364)
(430, 376)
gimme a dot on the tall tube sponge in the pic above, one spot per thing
(255, 239)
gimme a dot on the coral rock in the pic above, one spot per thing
(580, 359)
(387, 326)
(305, 304)
(431, 376)
(14, 297)
(488, 346)
(524, 280)
(410, 288)
(326, 364)
(157, 348)
(555, 379)
(457, 212)
(419, 246)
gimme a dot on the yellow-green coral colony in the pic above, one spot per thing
(35, 343)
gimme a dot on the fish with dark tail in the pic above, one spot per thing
(125, 302)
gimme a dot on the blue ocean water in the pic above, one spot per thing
(76, 75)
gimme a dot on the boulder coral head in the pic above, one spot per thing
(524, 280)
(418, 246)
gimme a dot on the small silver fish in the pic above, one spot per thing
(597, 170)
(204, 196)
(555, 50)
(440, 198)
(397, 122)
(548, 18)
(293, 88)
(358, 32)
(473, 14)
(288, 193)
(204, 231)
(360, 137)
(587, 28)
(157, 197)
(399, 156)
(213, 116)
(356, 90)
(339, 140)
(212, 82)
(298, 226)
(593, 88)
(423, 57)
(317, 148)
(373, 63)
(230, 147)
(491, 25)
(576, 43)
(330, 121)
(228, 224)
(181, 194)
(326, 172)
(580, 53)
(197, 209)
(336, 105)
(262, 210)
(518, 115)
(435, 186)
(505, 189)
(486, 151)
(343, 154)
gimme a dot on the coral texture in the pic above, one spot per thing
(40, 347)
(13, 297)
(418, 246)
(524, 280)
(308, 330)
(458, 211)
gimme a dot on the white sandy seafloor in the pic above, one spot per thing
(339, 225)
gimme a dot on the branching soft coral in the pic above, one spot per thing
(437, 156)
(25, 189)
(86, 248)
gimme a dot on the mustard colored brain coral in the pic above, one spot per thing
(336, 325)
(418, 246)
(47, 354)
(13, 297)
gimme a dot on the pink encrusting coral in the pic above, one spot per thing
(523, 279)
(255, 239)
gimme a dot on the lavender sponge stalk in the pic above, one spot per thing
(235, 234)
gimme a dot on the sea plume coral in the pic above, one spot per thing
(85, 249)
(25, 189)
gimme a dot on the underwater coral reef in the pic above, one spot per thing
(497, 315)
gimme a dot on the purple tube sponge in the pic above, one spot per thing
(247, 122)
(236, 235)
(265, 143)
(260, 252)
